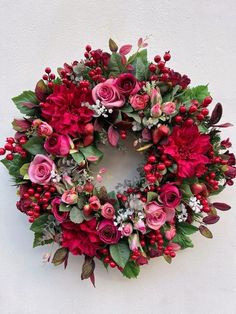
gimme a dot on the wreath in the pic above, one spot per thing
(99, 100)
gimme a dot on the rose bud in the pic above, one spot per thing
(87, 210)
(127, 230)
(94, 203)
(70, 197)
(89, 129)
(44, 129)
(170, 234)
(140, 226)
(88, 140)
(196, 188)
(88, 187)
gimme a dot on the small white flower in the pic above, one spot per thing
(136, 126)
(183, 215)
(195, 204)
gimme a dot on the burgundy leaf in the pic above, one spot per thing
(92, 279)
(216, 114)
(21, 125)
(98, 125)
(221, 206)
(211, 219)
(29, 105)
(113, 136)
(124, 50)
(224, 125)
(124, 125)
(41, 90)
(87, 268)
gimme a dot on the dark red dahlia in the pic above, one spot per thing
(81, 238)
(65, 112)
(188, 148)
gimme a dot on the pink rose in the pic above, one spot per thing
(60, 216)
(127, 229)
(58, 145)
(170, 195)
(108, 94)
(170, 234)
(168, 107)
(139, 102)
(156, 110)
(108, 232)
(127, 84)
(134, 242)
(155, 96)
(70, 196)
(155, 216)
(44, 129)
(94, 203)
(140, 226)
(108, 211)
(40, 169)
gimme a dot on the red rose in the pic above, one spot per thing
(63, 109)
(127, 84)
(170, 195)
(81, 238)
(108, 232)
(57, 144)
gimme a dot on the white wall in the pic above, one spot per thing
(201, 37)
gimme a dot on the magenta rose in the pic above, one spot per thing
(155, 215)
(94, 203)
(127, 84)
(108, 94)
(127, 229)
(168, 107)
(139, 102)
(108, 232)
(58, 144)
(60, 216)
(41, 169)
(170, 195)
(108, 211)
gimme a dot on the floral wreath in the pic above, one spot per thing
(100, 100)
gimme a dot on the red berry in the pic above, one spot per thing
(31, 192)
(182, 109)
(200, 117)
(152, 67)
(157, 58)
(192, 109)
(189, 122)
(37, 195)
(123, 136)
(206, 101)
(88, 48)
(204, 111)
(26, 195)
(9, 156)
(112, 264)
(172, 254)
(161, 167)
(45, 77)
(147, 168)
(52, 76)
(52, 189)
(47, 70)
(152, 159)
(8, 146)
(161, 65)
(2, 151)
(178, 119)
(47, 194)
(31, 219)
(10, 140)
(37, 208)
(167, 56)
(106, 260)
(142, 243)
(152, 241)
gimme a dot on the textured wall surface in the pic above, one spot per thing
(201, 37)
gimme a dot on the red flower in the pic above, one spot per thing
(188, 147)
(63, 110)
(81, 238)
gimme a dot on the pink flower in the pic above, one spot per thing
(127, 229)
(134, 242)
(108, 211)
(44, 129)
(168, 107)
(108, 232)
(108, 94)
(60, 216)
(139, 102)
(94, 203)
(170, 195)
(155, 216)
(156, 110)
(140, 226)
(155, 96)
(70, 196)
(170, 234)
(41, 169)
(58, 145)
(127, 84)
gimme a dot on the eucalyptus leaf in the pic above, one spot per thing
(120, 253)
(76, 215)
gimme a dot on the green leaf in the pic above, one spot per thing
(131, 270)
(115, 65)
(78, 157)
(127, 108)
(26, 102)
(24, 169)
(151, 196)
(202, 128)
(39, 240)
(199, 93)
(112, 196)
(183, 240)
(13, 166)
(205, 232)
(186, 228)
(76, 215)
(134, 115)
(60, 256)
(91, 151)
(140, 63)
(64, 207)
(35, 145)
(186, 190)
(120, 253)
(39, 223)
